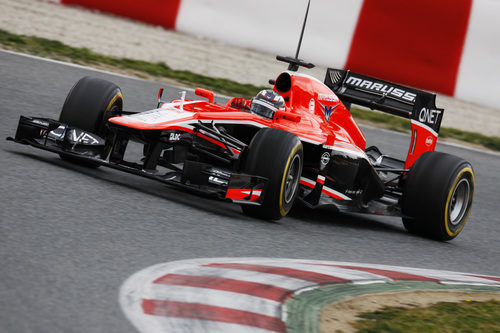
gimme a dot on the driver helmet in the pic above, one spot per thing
(266, 103)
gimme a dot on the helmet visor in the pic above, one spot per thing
(262, 108)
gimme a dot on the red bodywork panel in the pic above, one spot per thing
(423, 139)
(313, 112)
(321, 111)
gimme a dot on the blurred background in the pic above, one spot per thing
(70, 236)
(447, 46)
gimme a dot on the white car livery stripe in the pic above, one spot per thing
(242, 122)
(347, 148)
(424, 126)
(336, 194)
(307, 182)
(168, 112)
(254, 192)
(350, 151)
(326, 190)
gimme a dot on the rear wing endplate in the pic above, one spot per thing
(417, 105)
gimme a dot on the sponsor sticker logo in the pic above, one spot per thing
(327, 110)
(429, 116)
(40, 122)
(312, 105)
(325, 158)
(165, 114)
(379, 87)
(83, 137)
(354, 192)
(175, 136)
(429, 141)
(217, 181)
(328, 97)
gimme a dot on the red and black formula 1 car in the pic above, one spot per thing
(296, 142)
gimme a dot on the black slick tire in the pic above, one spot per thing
(278, 156)
(89, 104)
(437, 197)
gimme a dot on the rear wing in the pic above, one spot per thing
(417, 105)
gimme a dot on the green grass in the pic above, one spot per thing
(57, 50)
(464, 317)
(491, 142)
(390, 122)
(403, 125)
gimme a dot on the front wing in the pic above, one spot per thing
(88, 148)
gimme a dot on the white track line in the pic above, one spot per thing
(69, 64)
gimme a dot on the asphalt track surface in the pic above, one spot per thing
(69, 236)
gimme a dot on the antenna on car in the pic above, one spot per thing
(303, 28)
(294, 63)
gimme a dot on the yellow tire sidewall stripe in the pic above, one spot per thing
(113, 100)
(292, 154)
(448, 200)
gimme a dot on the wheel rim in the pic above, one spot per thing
(111, 112)
(459, 201)
(107, 114)
(292, 179)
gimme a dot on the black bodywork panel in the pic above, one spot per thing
(195, 174)
(192, 162)
(399, 100)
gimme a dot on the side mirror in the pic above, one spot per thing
(205, 94)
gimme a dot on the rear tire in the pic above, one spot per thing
(88, 106)
(278, 156)
(437, 196)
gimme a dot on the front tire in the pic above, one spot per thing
(88, 106)
(278, 156)
(438, 195)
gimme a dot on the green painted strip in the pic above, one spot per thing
(303, 309)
